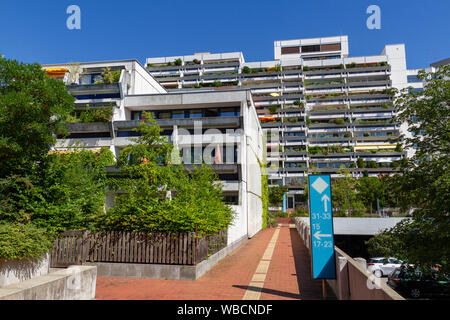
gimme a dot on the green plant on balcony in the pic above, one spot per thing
(178, 62)
(372, 164)
(347, 135)
(273, 108)
(196, 61)
(389, 91)
(314, 150)
(217, 83)
(246, 70)
(110, 76)
(337, 121)
(88, 115)
(305, 68)
(399, 148)
(360, 163)
(308, 121)
(351, 65)
(299, 103)
(292, 119)
(366, 134)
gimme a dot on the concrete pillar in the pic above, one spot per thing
(362, 262)
(343, 279)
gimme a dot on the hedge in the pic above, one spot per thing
(23, 241)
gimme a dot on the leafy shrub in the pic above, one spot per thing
(300, 212)
(156, 194)
(273, 108)
(23, 241)
(246, 70)
(280, 214)
(96, 115)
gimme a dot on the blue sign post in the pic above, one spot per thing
(321, 227)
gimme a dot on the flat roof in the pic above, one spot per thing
(440, 63)
(361, 226)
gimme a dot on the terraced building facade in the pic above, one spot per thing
(319, 108)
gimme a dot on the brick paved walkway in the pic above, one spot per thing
(287, 277)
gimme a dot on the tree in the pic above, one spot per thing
(344, 196)
(32, 107)
(54, 191)
(424, 182)
(66, 193)
(158, 195)
(276, 194)
(371, 189)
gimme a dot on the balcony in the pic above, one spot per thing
(95, 91)
(213, 122)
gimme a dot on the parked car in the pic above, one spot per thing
(382, 266)
(412, 283)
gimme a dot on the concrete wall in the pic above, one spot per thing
(353, 281)
(73, 283)
(143, 82)
(15, 271)
(252, 175)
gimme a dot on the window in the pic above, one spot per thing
(98, 96)
(91, 78)
(211, 113)
(413, 78)
(178, 114)
(164, 115)
(229, 112)
(290, 50)
(196, 114)
(232, 199)
(312, 48)
(415, 90)
(86, 135)
(290, 202)
(330, 47)
(128, 134)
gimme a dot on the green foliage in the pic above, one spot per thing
(276, 194)
(178, 62)
(280, 214)
(246, 70)
(23, 241)
(265, 195)
(424, 183)
(88, 115)
(32, 107)
(383, 244)
(66, 192)
(300, 212)
(344, 196)
(110, 76)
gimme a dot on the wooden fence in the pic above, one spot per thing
(79, 247)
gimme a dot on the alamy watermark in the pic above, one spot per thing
(73, 22)
(374, 20)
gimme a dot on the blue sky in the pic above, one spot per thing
(35, 31)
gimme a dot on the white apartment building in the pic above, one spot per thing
(219, 128)
(319, 107)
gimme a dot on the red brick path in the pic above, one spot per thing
(289, 270)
